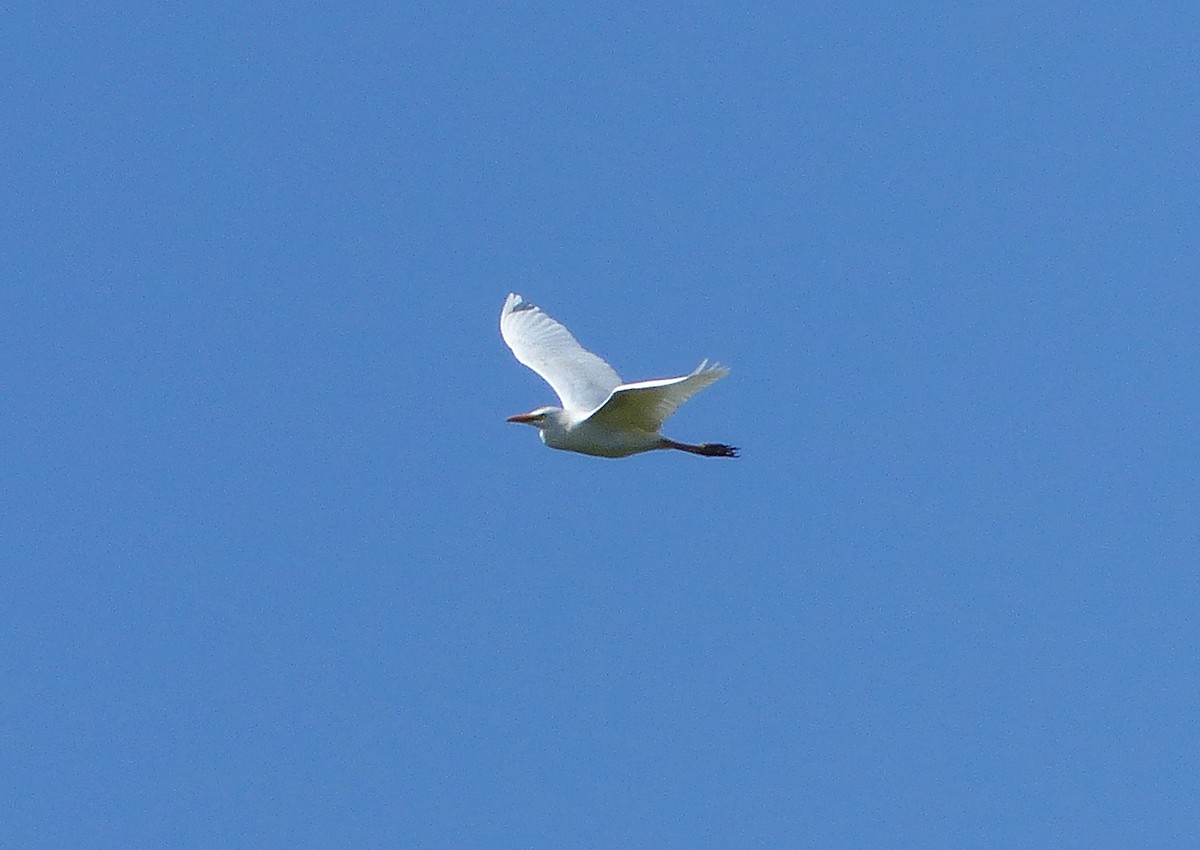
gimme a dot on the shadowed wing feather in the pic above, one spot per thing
(644, 406)
(581, 380)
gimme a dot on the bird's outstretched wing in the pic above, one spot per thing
(644, 406)
(581, 380)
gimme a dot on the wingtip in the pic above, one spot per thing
(711, 368)
(514, 303)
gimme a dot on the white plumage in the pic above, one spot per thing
(599, 414)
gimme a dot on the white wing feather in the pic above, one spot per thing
(581, 380)
(645, 405)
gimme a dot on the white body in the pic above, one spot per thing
(591, 438)
(599, 415)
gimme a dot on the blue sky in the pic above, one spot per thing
(278, 574)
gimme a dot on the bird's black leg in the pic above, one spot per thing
(704, 449)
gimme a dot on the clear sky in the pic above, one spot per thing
(276, 573)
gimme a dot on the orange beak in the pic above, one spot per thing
(521, 417)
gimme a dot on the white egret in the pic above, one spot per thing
(599, 415)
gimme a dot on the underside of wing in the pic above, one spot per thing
(646, 405)
(581, 380)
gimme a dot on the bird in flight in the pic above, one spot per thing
(599, 415)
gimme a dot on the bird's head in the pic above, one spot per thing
(539, 418)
